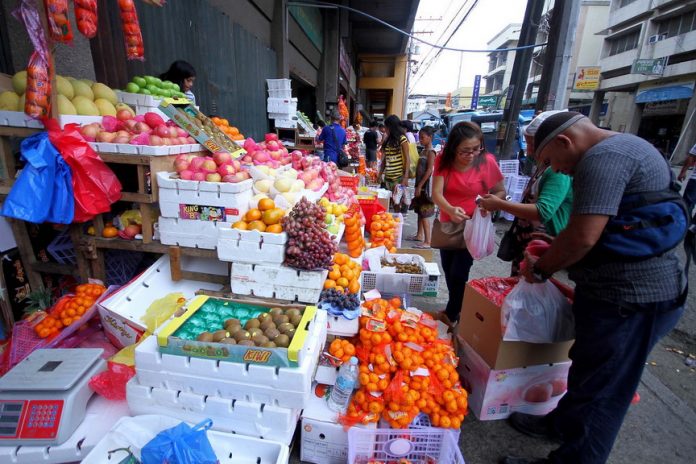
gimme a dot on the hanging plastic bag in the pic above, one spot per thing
(58, 21)
(537, 313)
(38, 92)
(86, 17)
(111, 383)
(479, 235)
(132, 35)
(95, 185)
(181, 444)
(43, 191)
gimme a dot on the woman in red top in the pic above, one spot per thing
(462, 172)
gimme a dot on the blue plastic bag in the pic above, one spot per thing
(43, 191)
(181, 444)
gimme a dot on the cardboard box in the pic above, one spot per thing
(479, 326)
(323, 439)
(497, 393)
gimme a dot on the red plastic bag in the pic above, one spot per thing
(111, 384)
(58, 21)
(132, 36)
(86, 17)
(495, 288)
(95, 186)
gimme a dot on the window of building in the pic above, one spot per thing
(623, 3)
(624, 43)
(678, 25)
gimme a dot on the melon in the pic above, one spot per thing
(105, 107)
(104, 92)
(9, 101)
(65, 87)
(82, 89)
(19, 82)
(85, 106)
(65, 106)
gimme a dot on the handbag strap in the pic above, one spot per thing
(333, 131)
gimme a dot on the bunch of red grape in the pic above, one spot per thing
(310, 246)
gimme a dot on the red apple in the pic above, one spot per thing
(196, 163)
(186, 175)
(162, 131)
(236, 164)
(106, 137)
(209, 166)
(221, 158)
(231, 178)
(199, 176)
(271, 137)
(124, 115)
(226, 169)
(213, 177)
(181, 165)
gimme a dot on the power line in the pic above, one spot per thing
(444, 31)
(418, 39)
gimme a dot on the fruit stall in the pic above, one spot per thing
(239, 289)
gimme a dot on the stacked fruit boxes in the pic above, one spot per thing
(281, 107)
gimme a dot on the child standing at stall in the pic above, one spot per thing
(422, 202)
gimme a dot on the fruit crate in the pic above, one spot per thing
(121, 266)
(61, 248)
(277, 281)
(190, 233)
(415, 446)
(397, 283)
(280, 121)
(279, 93)
(251, 246)
(284, 387)
(278, 84)
(287, 106)
(129, 149)
(19, 119)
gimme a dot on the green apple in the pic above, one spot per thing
(179, 95)
(157, 81)
(150, 80)
(166, 93)
(132, 87)
(139, 81)
(333, 229)
(175, 87)
(330, 219)
(153, 89)
(145, 92)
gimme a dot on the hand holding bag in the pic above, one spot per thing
(479, 234)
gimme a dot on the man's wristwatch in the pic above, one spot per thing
(539, 275)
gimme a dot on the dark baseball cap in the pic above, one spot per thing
(552, 126)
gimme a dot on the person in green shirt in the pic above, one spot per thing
(546, 203)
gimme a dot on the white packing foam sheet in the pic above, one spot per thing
(285, 387)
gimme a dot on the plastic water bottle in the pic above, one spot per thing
(345, 383)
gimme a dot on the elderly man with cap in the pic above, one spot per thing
(545, 205)
(623, 305)
(333, 137)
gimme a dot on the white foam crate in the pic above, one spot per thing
(19, 119)
(278, 84)
(396, 283)
(283, 123)
(251, 246)
(282, 105)
(228, 448)
(142, 109)
(276, 281)
(135, 99)
(175, 192)
(164, 150)
(285, 387)
(246, 419)
(326, 375)
(190, 233)
(339, 325)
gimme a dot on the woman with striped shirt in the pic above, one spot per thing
(395, 164)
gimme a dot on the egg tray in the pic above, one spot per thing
(206, 314)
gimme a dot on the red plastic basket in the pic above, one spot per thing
(369, 208)
(350, 182)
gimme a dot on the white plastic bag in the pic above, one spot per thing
(479, 235)
(537, 313)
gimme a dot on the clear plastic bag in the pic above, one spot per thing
(479, 235)
(537, 313)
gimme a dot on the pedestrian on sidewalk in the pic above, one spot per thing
(422, 201)
(622, 305)
(333, 137)
(545, 207)
(394, 169)
(371, 140)
(463, 172)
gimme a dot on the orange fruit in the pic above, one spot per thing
(342, 282)
(252, 215)
(241, 225)
(329, 283)
(334, 274)
(340, 289)
(257, 225)
(354, 286)
(274, 229)
(341, 259)
(266, 203)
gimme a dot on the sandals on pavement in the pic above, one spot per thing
(414, 238)
(422, 246)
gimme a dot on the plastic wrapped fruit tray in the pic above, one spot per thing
(287, 387)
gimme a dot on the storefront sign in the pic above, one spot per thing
(665, 108)
(587, 78)
(651, 67)
(475, 93)
(660, 93)
(310, 21)
(490, 100)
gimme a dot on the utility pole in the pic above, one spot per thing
(520, 70)
(554, 78)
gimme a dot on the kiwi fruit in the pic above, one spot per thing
(293, 312)
(291, 332)
(246, 343)
(263, 317)
(240, 335)
(231, 325)
(282, 341)
(252, 324)
(272, 333)
(281, 319)
(255, 331)
(275, 312)
(205, 337)
(259, 339)
(285, 327)
(267, 324)
(228, 341)
(220, 334)
(268, 345)
(295, 320)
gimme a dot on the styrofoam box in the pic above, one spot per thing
(283, 123)
(18, 119)
(100, 416)
(64, 119)
(284, 387)
(121, 312)
(136, 432)
(326, 374)
(282, 105)
(175, 192)
(190, 233)
(251, 246)
(276, 281)
(134, 99)
(142, 109)
(228, 415)
(339, 325)
(324, 441)
(128, 149)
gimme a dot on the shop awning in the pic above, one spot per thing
(665, 93)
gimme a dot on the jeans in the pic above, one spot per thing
(456, 265)
(612, 343)
(690, 195)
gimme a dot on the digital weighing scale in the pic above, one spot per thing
(44, 397)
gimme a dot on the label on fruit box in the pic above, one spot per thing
(206, 213)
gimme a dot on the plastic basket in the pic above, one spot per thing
(422, 421)
(509, 167)
(61, 249)
(350, 182)
(399, 230)
(518, 184)
(121, 266)
(418, 446)
(278, 84)
(287, 106)
(400, 283)
(279, 93)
